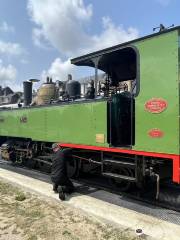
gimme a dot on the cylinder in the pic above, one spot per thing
(27, 93)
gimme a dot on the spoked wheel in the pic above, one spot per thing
(121, 184)
(73, 168)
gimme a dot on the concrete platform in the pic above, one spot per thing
(152, 226)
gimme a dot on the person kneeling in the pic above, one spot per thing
(61, 183)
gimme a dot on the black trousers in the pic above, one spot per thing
(66, 185)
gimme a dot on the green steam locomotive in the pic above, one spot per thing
(129, 134)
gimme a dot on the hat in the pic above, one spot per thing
(55, 145)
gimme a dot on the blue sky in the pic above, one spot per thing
(38, 37)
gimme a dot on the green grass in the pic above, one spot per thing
(5, 188)
(20, 197)
(33, 218)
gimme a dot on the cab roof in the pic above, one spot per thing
(86, 59)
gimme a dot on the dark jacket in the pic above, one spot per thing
(59, 165)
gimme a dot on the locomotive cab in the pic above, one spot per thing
(121, 87)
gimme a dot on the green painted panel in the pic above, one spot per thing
(76, 123)
(9, 125)
(12, 126)
(70, 123)
(35, 126)
(158, 79)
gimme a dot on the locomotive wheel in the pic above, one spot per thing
(73, 168)
(120, 184)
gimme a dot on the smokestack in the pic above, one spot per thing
(27, 93)
(69, 77)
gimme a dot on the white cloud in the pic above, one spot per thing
(112, 35)
(7, 73)
(64, 25)
(5, 27)
(60, 23)
(59, 70)
(38, 39)
(11, 49)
